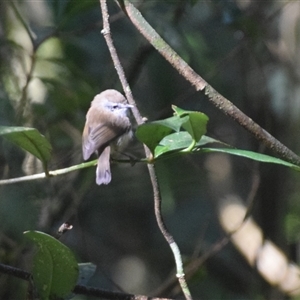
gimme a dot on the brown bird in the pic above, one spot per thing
(107, 130)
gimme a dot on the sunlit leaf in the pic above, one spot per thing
(178, 141)
(196, 125)
(195, 122)
(180, 112)
(174, 143)
(152, 133)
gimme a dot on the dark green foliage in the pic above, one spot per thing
(235, 46)
(30, 140)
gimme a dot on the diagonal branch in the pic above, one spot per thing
(200, 84)
(155, 186)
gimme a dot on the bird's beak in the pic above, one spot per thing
(127, 106)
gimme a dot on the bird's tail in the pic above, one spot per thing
(103, 174)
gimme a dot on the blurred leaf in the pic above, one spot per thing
(55, 270)
(23, 22)
(6, 109)
(74, 9)
(29, 139)
(252, 155)
(292, 227)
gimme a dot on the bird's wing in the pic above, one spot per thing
(98, 138)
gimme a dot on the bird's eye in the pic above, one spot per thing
(114, 106)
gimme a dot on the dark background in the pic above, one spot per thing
(247, 50)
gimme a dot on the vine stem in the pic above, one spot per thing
(151, 168)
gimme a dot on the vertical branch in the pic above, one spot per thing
(155, 186)
(117, 64)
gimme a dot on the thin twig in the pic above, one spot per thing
(151, 168)
(68, 170)
(80, 289)
(16, 272)
(200, 84)
(51, 173)
(127, 90)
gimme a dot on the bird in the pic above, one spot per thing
(107, 130)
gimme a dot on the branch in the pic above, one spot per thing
(193, 266)
(155, 186)
(50, 173)
(200, 84)
(107, 36)
(68, 170)
(80, 289)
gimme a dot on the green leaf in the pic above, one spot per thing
(55, 269)
(153, 132)
(179, 111)
(252, 155)
(42, 272)
(174, 122)
(29, 139)
(195, 122)
(150, 134)
(178, 141)
(196, 125)
(175, 143)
